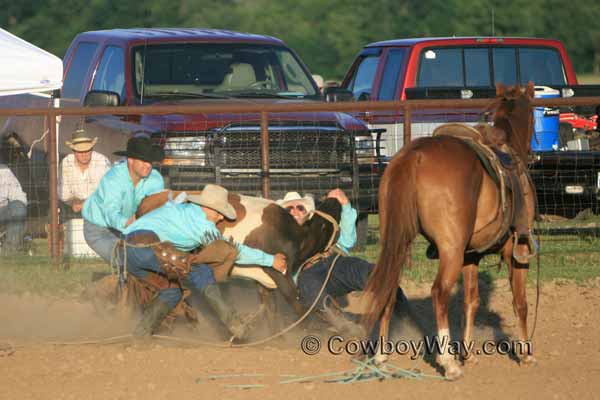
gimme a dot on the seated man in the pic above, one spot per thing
(188, 226)
(349, 273)
(80, 174)
(13, 210)
(112, 206)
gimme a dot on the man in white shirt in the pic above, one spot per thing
(80, 172)
(13, 210)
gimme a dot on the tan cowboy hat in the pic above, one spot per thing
(214, 197)
(81, 142)
(308, 201)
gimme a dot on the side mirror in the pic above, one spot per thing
(101, 98)
(335, 94)
(364, 96)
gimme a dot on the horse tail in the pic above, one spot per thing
(398, 229)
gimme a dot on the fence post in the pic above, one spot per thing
(405, 141)
(53, 182)
(264, 148)
(407, 126)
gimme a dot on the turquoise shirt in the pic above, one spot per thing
(185, 225)
(116, 200)
(347, 238)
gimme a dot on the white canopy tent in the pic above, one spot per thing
(26, 68)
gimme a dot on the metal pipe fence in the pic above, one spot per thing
(264, 127)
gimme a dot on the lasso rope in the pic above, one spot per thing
(269, 338)
(120, 338)
(365, 371)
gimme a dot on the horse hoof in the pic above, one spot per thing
(451, 369)
(471, 360)
(380, 358)
(528, 360)
(453, 373)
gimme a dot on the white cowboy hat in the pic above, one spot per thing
(308, 201)
(81, 142)
(214, 197)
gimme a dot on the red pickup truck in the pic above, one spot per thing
(429, 68)
(309, 152)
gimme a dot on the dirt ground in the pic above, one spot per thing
(565, 345)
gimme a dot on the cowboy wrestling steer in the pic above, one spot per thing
(264, 225)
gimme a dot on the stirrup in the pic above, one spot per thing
(531, 243)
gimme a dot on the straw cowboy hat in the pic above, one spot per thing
(214, 197)
(142, 148)
(307, 201)
(80, 142)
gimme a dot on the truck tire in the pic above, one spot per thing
(362, 232)
(565, 133)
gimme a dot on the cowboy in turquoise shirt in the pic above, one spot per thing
(116, 199)
(188, 226)
(112, 206)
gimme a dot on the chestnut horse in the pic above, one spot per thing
(437, 186)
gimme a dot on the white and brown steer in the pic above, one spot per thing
(264, 225)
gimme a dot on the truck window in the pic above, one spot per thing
(296, 79)
(477, 67)
(111, 72)
(505, 65)
(80, 64)
(441, 68)
(362, 81)
(391, 73)
(541, 66)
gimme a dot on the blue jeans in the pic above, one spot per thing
(102, 240)
(348, 275)
(142, 260)
(13, 217)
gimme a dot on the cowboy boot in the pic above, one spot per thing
(339, 322)
(228, 316)
(154, 313)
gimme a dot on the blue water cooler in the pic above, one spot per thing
(546, 121)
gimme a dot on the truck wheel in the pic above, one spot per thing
(565, 133)
(362, 232)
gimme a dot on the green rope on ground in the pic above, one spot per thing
(365, 371)
(226, 376)
(311, 378)
(249, 386)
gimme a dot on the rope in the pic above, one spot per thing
(268, 338)
(122, 275)
(114, 257)
(116, 339)
(365, 371)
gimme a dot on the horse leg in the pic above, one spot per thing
(269, 306)
(384, 329)
(451, 261)
(517, 275)
(471, 303)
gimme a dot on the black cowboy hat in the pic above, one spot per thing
(142, 149)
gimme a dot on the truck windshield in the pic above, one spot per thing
(219, 69)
